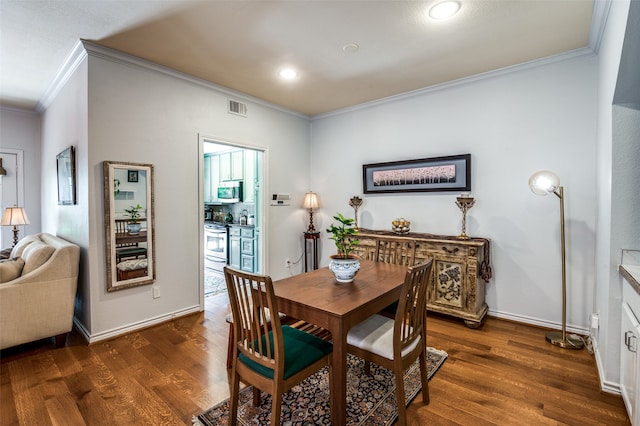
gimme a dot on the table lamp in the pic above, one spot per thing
(311, 202)
(543, 183)
(14, 216)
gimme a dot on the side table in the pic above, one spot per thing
(311, 245)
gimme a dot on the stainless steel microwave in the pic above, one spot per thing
(230, 192)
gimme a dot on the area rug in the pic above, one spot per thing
(371, 400)
(214, 284)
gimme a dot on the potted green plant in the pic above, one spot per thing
(134, 214)
(345, 265)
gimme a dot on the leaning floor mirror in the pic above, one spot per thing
(129, 218)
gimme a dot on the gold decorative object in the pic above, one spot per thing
(400, 225)
(464, 202)
(355, 202)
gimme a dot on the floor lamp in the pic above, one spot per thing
(543, 183)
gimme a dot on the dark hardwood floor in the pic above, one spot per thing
(502, 374)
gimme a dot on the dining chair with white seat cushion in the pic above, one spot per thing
(396, 343)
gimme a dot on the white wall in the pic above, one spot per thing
(64, 123)
(141, 115)
(541, 117)
(608, 235)
(21, 130)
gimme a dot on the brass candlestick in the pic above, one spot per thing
(355, 202)
(464, 202)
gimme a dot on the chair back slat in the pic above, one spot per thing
(396, 251)
(252, 301)
(412, 306)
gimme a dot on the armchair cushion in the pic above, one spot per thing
(35, 255)
(300, 351)
(10, 269)
(22, 244)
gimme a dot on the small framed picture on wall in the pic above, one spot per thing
(66, 167)
(132, 176)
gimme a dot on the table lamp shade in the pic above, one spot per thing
(310, 200)
(15, 216)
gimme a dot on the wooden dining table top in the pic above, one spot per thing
(126, 237)
(317, 298)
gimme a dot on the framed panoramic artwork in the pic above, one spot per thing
(451, 173)
(66, 164)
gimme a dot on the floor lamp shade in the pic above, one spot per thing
(543, 183)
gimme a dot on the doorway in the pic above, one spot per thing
(11, 189)
(232, 208)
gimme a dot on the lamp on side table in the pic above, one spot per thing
(14, 216)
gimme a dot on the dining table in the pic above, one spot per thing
(128, 238)
(316, 297)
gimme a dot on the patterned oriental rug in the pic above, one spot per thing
(371, 400)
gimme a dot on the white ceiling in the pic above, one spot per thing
(243, 44)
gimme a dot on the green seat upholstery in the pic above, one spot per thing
(300, 350)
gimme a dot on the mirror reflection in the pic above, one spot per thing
(129, 224)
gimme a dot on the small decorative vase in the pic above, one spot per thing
(344, 269)
(134, 228)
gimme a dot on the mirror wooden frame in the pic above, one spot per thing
(130, 255)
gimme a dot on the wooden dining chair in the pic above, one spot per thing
(396, 251)
(396, 343)
(269, 356)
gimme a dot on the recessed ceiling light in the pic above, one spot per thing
(444, 10)
(288, 73)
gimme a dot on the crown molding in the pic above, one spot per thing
(599, 18)
(66, 70)
(109, 54)
(585, 51)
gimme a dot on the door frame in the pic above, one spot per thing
(261, 203)
(19, 181)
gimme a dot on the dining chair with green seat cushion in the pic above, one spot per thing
(270, 357)
(300, 350)
(399, 251)
(396, 343)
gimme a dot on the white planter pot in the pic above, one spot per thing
(344, 269)
(134, 228)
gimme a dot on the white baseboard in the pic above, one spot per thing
(116, 332)
(538, 322)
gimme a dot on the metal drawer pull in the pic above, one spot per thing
(630, 341)
(450, 251)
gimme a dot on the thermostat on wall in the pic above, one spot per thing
(280, 199)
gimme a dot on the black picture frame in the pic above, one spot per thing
(132, 176)
(66, 170)
(437, 174)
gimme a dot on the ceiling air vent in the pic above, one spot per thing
(237, 108)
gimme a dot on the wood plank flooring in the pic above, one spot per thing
(501, 374)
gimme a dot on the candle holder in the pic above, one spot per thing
(355, 202)
(464, 202)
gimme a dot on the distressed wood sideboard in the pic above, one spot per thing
(460, 270)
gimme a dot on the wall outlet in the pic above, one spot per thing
(287, 263)
(595, 321)
(156, 292)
